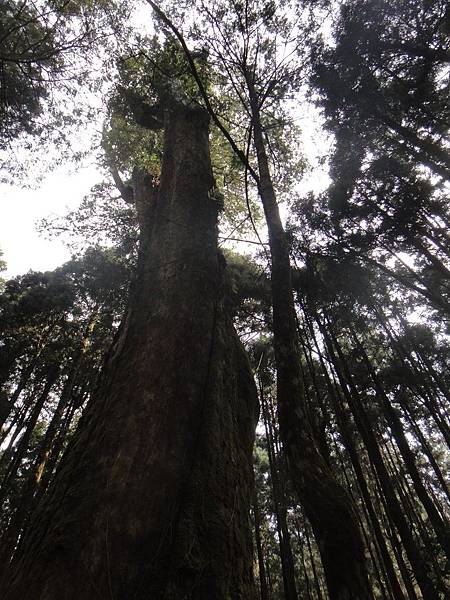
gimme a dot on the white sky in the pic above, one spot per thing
(62, 190)
(20, 209)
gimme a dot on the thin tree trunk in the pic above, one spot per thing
(263, 587)
(317, 579)
(350, 446)
(441, 529)
(326, 503)
(46, 475)
(426, 449)
(300, 542)
(17, 425)
(24, 441)
(392, 504)
(8, 405)
(408, 360)
(287, 560)
(35, 476)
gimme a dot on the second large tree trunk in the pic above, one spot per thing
(153, 495)
(327, 504)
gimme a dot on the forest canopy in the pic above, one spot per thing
(238, 386)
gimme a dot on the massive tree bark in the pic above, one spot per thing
(153, 495)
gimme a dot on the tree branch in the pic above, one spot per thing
(204, 94)
(126, 191)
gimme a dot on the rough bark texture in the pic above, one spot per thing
(152, 498)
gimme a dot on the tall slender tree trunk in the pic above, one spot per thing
(301, 548)
(393, 505)
(279, 498)
(263, 587)
(378, 535)
(34, 478)
(440, 527)
(9, 403)
(326, 503)
(317, 578)
(152, 498)
(420, 437)
(350, 446)
(22, 446)
(424, 390)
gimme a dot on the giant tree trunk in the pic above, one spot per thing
(152, 498)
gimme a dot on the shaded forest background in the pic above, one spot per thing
(342, 305)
